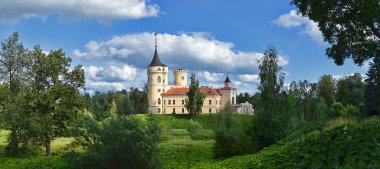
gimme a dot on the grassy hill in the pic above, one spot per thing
(342, 143)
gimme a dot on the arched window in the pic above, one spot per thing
(159, 100)
(159, 69)
(159, 110)
(159, 79)
(209, 110)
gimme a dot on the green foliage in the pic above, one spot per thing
(326, 88)
(195, 97)
(54, 162)
(197, 132)
(372, 89)
(352, 111)
(125, 142)
(85, 129)
(194, 127)
(231, 135)
(343, 145)
(55, 98)
(350, 90)
(351, 27)
(337, 110)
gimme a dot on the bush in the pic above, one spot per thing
(194, 127)
(196, 131)
(337, 110)
(352, 111)
(125, 142)
(231, 135)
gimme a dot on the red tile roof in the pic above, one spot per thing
(184, 90)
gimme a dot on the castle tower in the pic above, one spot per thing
(180, 77)
(157, 82)
(228, 93)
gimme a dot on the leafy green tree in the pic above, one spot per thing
(232, 135)
(337, 110)
(267, 125)
(372, 89)
(55, 91)
(195, 97)
(124, 142)
(326, 87)
(14, 64)
(350, 90)
(351, 27)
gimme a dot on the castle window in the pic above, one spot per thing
(216, 101)
(209, 110)
(163, 90)
(233, 100)
(173, 102)
(159, 100)
(170, 102)
(159, 69)
(183, 110)
(159, 79)
(159, 110)
(209, 102)
(173, 110)
(183, 77)
(163, 80)
(164, 110)
(183, 102)
(164, 103)
(159, 90)
(163, 69)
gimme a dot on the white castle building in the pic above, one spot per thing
(170, 99)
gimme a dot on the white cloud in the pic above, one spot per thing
(195, 51)
(102, 10)
(211, 77)
(111, 74)
(249, 78)
(293, 19)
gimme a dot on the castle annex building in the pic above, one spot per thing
(168, 99)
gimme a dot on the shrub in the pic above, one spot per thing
(125, 142)
(194, 127)
(352, 111)
(337, 110)
(231, 135)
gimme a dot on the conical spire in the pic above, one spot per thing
(156, 60)
(227, 80)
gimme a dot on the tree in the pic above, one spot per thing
(350, 90)
(326, 87)
(195, 97)
(55, 95)
(372, 88)
(267, 127)
(14, 64)
(351, 27)
(122, 142)
(231, 134)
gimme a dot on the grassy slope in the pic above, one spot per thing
(341, 143)
(351, 145)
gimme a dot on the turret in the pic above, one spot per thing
(180, 77)
(157, 82)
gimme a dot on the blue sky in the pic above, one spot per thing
(114, 39)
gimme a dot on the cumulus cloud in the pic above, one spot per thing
(102, 10)
(195, 51)
(211, 77)
(309, 27)
(249, 78)
(111, 74)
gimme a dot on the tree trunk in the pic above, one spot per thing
(48, 145)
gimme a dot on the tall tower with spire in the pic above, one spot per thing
(228, 93)
(157, 82)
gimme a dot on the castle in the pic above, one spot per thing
(170, 99)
